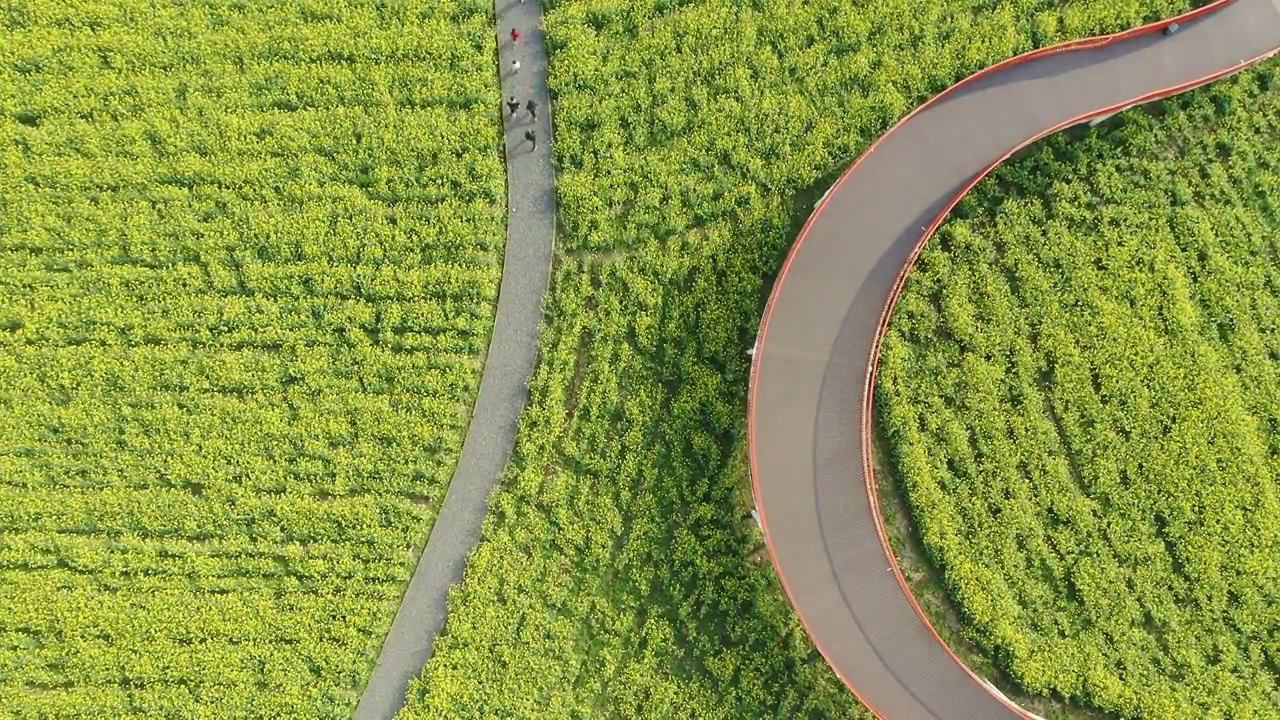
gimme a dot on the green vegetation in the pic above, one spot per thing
(248, 260)
(619, 575)
(1081, 387)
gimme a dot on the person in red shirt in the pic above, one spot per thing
(515, 35)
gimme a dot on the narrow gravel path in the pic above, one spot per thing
(513, 348)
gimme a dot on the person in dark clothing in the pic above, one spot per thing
(532, 138)
(512, 105)
(532, 107)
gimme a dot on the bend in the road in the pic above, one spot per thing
(814, 365)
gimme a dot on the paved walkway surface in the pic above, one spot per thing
(503, 391)
(810, 406)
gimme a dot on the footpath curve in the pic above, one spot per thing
(513, 348)
(813, 371)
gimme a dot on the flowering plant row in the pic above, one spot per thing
(249, 254)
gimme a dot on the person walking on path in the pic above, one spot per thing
(515, 36)
(532, 138)
(512, 105)
(515, 66)
(532, 107)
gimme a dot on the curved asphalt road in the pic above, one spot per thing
(513, 348)
(810, 403)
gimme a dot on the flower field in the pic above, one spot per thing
(248, 262)
(620, 575)
(1081, 390)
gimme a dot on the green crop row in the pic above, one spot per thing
(249, 254)
(1081, 387)
(619, 573)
